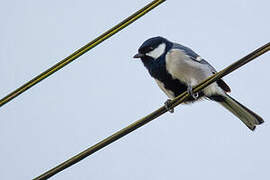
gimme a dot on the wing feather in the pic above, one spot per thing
(195, 57)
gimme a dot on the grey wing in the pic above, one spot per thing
(220, 82)
(195, 57)
(210, 66)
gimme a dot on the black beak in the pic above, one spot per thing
(139, 55)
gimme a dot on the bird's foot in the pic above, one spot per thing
(190, 92)
(167, 106)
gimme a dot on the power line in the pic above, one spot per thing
(81, 51)
(178, 100)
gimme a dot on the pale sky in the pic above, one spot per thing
(106, 90)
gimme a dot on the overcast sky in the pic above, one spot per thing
(106, 90)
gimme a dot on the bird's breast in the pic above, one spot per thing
(168, 92)
(171, 86)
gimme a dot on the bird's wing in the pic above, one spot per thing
(195, 57)
(188, 52)
(220, 82)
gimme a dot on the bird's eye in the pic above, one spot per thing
(151, 48)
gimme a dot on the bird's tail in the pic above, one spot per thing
(248, 117)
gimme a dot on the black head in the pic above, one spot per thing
(153, 48)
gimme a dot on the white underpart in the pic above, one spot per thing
(169, 93)
(185, 69)
(157, 52)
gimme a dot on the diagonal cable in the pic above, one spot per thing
(81, 51)
(178, 100)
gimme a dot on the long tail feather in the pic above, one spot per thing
(248, 117)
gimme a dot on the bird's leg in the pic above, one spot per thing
(167, 106)
(190, 92)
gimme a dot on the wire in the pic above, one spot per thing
(81, 51)
(178, 100)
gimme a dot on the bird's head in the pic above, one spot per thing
(153, 48)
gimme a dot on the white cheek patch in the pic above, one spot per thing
(157, 52)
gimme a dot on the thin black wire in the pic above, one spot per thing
(80, 52)
(178, 100)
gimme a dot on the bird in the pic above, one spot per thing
(177, 68)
